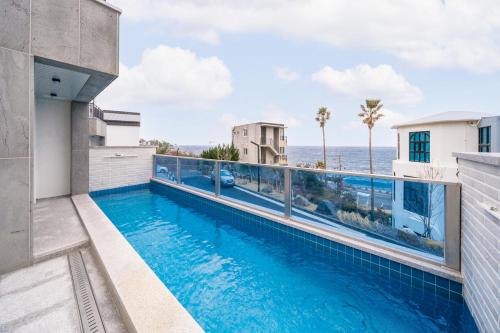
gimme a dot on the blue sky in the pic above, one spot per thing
(193, 69)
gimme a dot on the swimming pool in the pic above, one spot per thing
(235, 273)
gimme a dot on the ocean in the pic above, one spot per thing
(343, 158)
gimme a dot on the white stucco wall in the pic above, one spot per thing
(446, 138)
(53, 148)
(122, 135)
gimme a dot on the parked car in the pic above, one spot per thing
(161, 169)
(226, 178)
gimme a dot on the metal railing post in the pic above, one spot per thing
(217, 178)
(452, 227)
(178, 171)
(288, 193)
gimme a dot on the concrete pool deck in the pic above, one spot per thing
(41, 297)
(57, 229)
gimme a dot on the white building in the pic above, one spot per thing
(261, 143)
(113, 128)
(430, 141)
(424, 150)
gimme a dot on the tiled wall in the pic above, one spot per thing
(405, 278)
(480, 178)
(111, 167)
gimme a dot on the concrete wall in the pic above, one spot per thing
(79, 148)
(77, 32)
(112, 167)
(53, 147)
(80, 35)
(480, 178)
(122, 135)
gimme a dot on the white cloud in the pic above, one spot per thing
(365, 81)
(169, 76)
(285, 74)
(430, 33)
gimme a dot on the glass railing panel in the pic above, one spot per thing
(404, 213)
(198, 174)
(165, 168)
(260, 186)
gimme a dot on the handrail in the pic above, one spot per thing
(330, 171)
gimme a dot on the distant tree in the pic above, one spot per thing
(322, 116)
(370, 114)
(221, 152)
(320, 165)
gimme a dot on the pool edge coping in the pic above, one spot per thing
(144, 302)
(394, 255)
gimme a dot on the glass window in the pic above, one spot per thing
(485, 139)
(245, 132)
(420, 146)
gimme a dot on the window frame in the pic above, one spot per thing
(419, 146)
(484, 144)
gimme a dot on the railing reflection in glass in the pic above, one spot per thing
(261, 186)
(198, 173)
(165, 167)
(406, 213)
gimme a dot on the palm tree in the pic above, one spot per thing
(322, 116)
(370, 114)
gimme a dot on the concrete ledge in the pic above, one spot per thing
(393, 254)
(485, 158)
(144, 302)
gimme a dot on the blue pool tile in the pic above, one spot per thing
(357, 253)
(442, 282)
(406, 270)
(365, 256)
(375, 259)
(396, 266)
(430, 287)
(456, 287)
(416, 273)
(443, 292)
(456, 297)
(385, 262)
(429, 278)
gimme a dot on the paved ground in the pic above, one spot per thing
(40, 298)
(56, 228)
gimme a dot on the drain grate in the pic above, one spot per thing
(89, 313)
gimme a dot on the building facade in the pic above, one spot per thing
(51, 66)
(425, 150)
(429, 142)
(261, 143)
(113, 128)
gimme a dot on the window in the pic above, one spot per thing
(416, 198)
(245, 151)
(282, 150)
(420, 146)
(245, 132)
(485, 139)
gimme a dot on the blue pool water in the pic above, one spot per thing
(233, 277)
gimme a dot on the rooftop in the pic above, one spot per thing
(445, 117)
(264, 123)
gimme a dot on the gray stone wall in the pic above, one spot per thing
(112, 167)
(16, 135)
(480, 178)
(80, 35)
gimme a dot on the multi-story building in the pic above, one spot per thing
(430, 141)
(261, 143)
(113, 128)
(425, 150)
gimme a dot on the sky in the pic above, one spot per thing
(194, 69)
